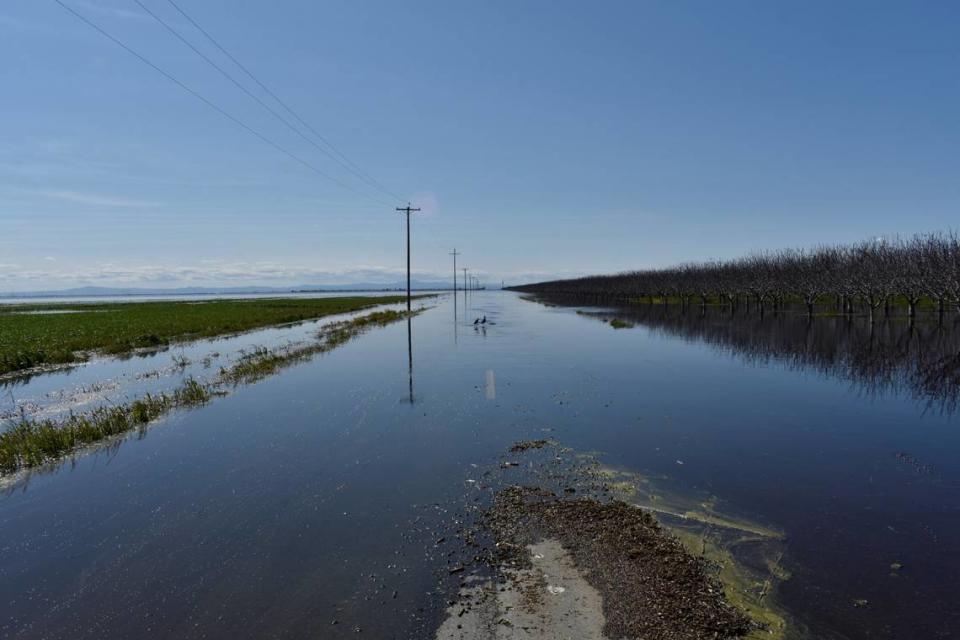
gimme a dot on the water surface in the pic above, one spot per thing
(309, 504)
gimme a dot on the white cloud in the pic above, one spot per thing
(217, 273)
(206, 273)
(49, 258)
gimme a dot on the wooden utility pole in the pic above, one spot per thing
(465, 279)
(408, 210)
(455, 254)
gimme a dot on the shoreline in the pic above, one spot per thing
(49, 337)
(563, 550)
(30, 445)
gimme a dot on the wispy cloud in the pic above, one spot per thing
(214, 272)
(111, 10)
(210, 273)
(11, 22)
(427, 202)
(96, 199)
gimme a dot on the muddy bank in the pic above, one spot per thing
(647, 585)
(562, 551)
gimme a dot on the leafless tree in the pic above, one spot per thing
(867, 276)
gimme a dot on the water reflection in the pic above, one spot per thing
(891, 356)
(490, 386)
(410, 356)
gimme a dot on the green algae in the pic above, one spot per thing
(744, 586)
(746, 556)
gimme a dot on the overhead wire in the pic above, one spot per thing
(346, 162)
(213, 105)
(240, 86)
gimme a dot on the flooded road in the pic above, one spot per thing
(311, 504)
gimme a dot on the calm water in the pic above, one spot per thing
(308, 505)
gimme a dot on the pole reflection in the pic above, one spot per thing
(410, 357)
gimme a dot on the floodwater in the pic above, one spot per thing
(309, 504)
(179, 297)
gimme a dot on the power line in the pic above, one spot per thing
(211, 104)
(346, 162)
(240, 86)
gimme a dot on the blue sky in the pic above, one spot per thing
(540, 137)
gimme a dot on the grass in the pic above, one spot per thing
(263, 362)
(31, 443)
(31, 336)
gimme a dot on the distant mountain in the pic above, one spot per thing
(84, 292)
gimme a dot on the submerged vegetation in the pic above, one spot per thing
(260, 363)
(50, 334)
(923, 271)
(30, 443)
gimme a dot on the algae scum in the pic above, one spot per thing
(554, 521)
(677, 477)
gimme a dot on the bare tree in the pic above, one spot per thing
(869, 275)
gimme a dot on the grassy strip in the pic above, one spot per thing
(42, 334)
(32, 443)
(262, 362)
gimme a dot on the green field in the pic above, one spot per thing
(30, 443)
(48, 334)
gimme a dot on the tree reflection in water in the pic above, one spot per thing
(920, 358)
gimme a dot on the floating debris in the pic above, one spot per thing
(526, 445)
